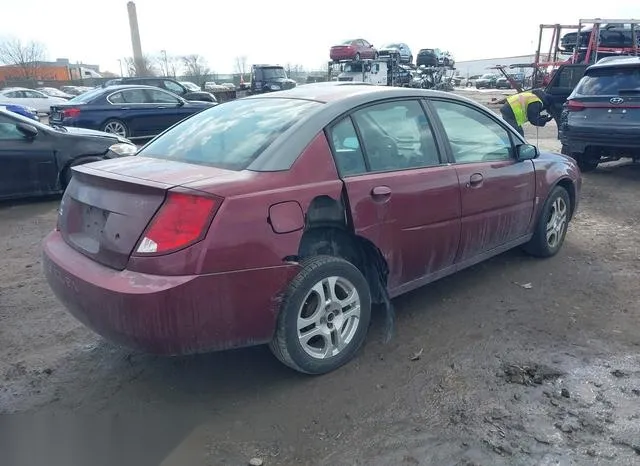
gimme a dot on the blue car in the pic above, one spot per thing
(21, 110)
(130, 111)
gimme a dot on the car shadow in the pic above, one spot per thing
(624, 170)
(26, 207)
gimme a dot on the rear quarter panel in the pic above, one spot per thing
(240, 236)
(551, 170)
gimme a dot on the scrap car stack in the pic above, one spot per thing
(357, 60)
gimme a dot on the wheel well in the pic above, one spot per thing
(567, 184)
(339, 242)
(77, 161)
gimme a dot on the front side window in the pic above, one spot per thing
(157, 96)
(397, 136)
(473, 136)
(231, 135)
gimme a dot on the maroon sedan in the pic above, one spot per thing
(354, 49)
(281, 218)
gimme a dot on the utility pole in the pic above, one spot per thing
(135, 39)
(166, 65)
(120, 62)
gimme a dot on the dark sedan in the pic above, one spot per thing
(279, 218)
(135, 112)
(36, 159)
(187, 92)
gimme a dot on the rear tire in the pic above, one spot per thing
(115, 126)
(329, 298)
(586, 162)
(552, 225)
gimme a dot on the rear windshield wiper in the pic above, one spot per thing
(629, 91)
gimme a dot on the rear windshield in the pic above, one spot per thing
(609, 81)
(86, 97)
(230, 135)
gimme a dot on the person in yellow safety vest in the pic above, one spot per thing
(523, 107)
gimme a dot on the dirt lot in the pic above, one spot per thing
(546, 373)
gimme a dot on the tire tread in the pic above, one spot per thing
(278, 344)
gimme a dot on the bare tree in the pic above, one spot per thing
(147, 65)
(241, 65)
(26, 56)
(168, 65)
(197, 68)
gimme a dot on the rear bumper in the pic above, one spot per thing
(166, 314)
(578, 141)
(340, 55)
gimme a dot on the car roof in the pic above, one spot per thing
(334, 101)
(616, 62)
(129, 86)
(17, 89)
(325, 93)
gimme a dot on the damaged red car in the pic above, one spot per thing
(281, 218)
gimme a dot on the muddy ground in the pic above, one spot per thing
(546, 373)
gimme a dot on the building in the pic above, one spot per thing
(470, 68)
(59, 70)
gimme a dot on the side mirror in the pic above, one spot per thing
(526, 152)
(29, 131)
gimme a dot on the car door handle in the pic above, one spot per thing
(380, 193)
(475, 181)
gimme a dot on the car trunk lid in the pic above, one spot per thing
(108, 205)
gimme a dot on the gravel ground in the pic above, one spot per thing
(506, 374)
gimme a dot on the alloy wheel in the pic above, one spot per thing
(328, 318)
(115, 127)
(557, 222)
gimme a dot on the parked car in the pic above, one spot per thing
(29, 98)
(269, 78)
(53, 92)
(28, 112)
(611, 35)
(36, 159)
(600, 121)
(129, 111)
(73, 90)
(167, 84)
(353, 49)
(400, 48)
(486, 81)
(444, 58)
(427, 57)
(270, 219)
(190, 86)
(503, 83)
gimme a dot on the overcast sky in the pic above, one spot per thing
(284, 31)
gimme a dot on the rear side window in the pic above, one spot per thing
(231, 135)
(609, 81)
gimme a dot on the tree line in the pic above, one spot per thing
(27, 56)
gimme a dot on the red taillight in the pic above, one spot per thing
(182, 220)
(70, 112)
(574, 106)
